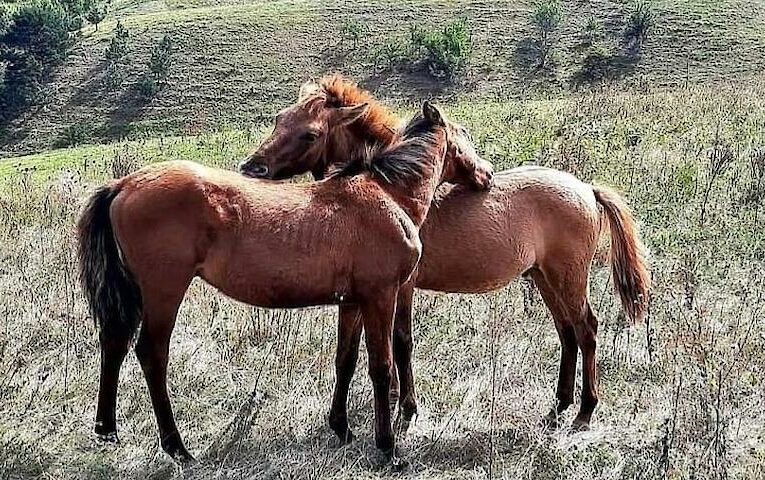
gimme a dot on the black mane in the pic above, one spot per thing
(406, 159)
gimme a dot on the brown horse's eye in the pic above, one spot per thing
(309, 136)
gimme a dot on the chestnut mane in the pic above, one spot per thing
(378, 121)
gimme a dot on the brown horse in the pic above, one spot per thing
(534, 221)
(350, 240)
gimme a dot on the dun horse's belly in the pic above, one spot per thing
(471, 260)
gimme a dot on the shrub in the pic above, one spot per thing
(119, 44)
(147, 86)
(74, 135)
(547, 17)
(352, 31)
(593, 32)
(389, 54)
(35, 40)
(446, 51)
(639, 23)
(161, 54)
(96, 15)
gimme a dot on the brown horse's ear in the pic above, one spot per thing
(348, 115)
(308, 88)
(433, 114)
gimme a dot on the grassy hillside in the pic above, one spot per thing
(237, 62)
(682, 396)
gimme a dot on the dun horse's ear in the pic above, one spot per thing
(433, 114)
(308, 88)
(348, 115)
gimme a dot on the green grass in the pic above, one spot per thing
(238, 60)
(681, 396)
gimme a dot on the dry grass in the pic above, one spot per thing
(682, 396)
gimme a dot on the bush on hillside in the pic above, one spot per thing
(639, 23)
(390, 54)
(446, 51)
(352, 31)
(159, 66)
(35, 40)
(96, 15)
(546, 17)
(118, 46)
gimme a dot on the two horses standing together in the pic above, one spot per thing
(375, 225)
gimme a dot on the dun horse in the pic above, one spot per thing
(350, 240)
(534, 221)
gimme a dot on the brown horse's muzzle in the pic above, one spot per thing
(253, 167)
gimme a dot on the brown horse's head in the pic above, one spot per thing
(332, 121)
(462, 164)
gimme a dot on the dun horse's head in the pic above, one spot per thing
(462, 164)
(301, 133)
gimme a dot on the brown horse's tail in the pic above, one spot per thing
(112, 292)
(628, 264)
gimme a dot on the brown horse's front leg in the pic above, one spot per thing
(348, 338)
(378, 326)
(402, 352)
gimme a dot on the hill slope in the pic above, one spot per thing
(239, 62)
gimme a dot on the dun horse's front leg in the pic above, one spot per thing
(402, 352)
(378, 326)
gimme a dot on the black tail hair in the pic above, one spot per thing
(112, 292)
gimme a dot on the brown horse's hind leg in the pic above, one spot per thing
(568, 354)
(113, 353)
(348, 338)
(402, 353)
(152, 350)
(586, 333)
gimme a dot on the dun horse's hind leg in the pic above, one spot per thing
(568, 355)
(348, 338)
(152, 350)
(402, 353)
(113, 352)
(586, 332)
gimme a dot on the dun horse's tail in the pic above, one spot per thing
(114, 296)
(628, 264)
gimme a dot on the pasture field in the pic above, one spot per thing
(681, 133)
(682, 395)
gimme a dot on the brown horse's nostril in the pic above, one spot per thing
(256, 170)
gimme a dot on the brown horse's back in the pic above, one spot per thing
(477, 242)
(257, 240)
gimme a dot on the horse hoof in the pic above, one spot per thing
(580, 426)
(552, 421)
(345, 437)
(184, 458)
(110, 437)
